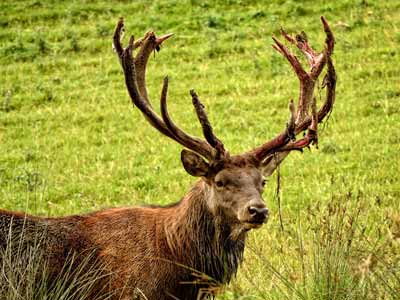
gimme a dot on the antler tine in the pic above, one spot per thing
(293, 60)
(330, 83)
(312, 122)
(128, 66)
(146, 46)
(206, 126)
(302, 43)
(181, 137)
(118, 36)
(282, 143)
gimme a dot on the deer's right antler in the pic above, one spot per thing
(135, 78)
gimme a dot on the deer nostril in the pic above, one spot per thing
(258, 212)
(252, 211)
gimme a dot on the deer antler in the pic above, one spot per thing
(212, 148)
(135, 78)
(300, 119)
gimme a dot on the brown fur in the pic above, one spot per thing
(184, 250)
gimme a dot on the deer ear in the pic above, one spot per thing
(194, 164)
(269, 165)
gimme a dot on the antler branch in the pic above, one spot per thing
(303, 120)
(135, 78)
(206, 126)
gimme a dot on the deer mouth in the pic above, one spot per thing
(252, 225)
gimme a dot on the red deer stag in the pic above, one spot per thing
(185, 250)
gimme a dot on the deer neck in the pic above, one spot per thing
(201, 240)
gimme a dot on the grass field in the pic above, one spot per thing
(71, 143)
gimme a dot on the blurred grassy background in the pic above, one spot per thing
(70, 142)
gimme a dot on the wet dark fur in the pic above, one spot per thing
(181, 250)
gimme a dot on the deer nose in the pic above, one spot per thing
(258, 214)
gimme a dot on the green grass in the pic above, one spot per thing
(70, 142)
(24, 276)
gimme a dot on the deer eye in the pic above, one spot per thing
(264, 182)
(219, 183)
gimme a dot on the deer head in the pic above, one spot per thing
(235, 182)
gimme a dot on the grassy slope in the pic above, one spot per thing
(70, 142)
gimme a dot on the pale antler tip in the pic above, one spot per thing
(277, 46)
(131, 42)
(165, 82)
(120, 21)
(163, 38)
(291, 106)
(278, 43)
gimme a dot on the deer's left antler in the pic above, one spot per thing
(301, 119)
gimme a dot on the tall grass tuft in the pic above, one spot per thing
(331, 258)
(24, 272)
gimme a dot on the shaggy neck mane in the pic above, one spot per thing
(202, 242)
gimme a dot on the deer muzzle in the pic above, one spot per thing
(256, 215)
